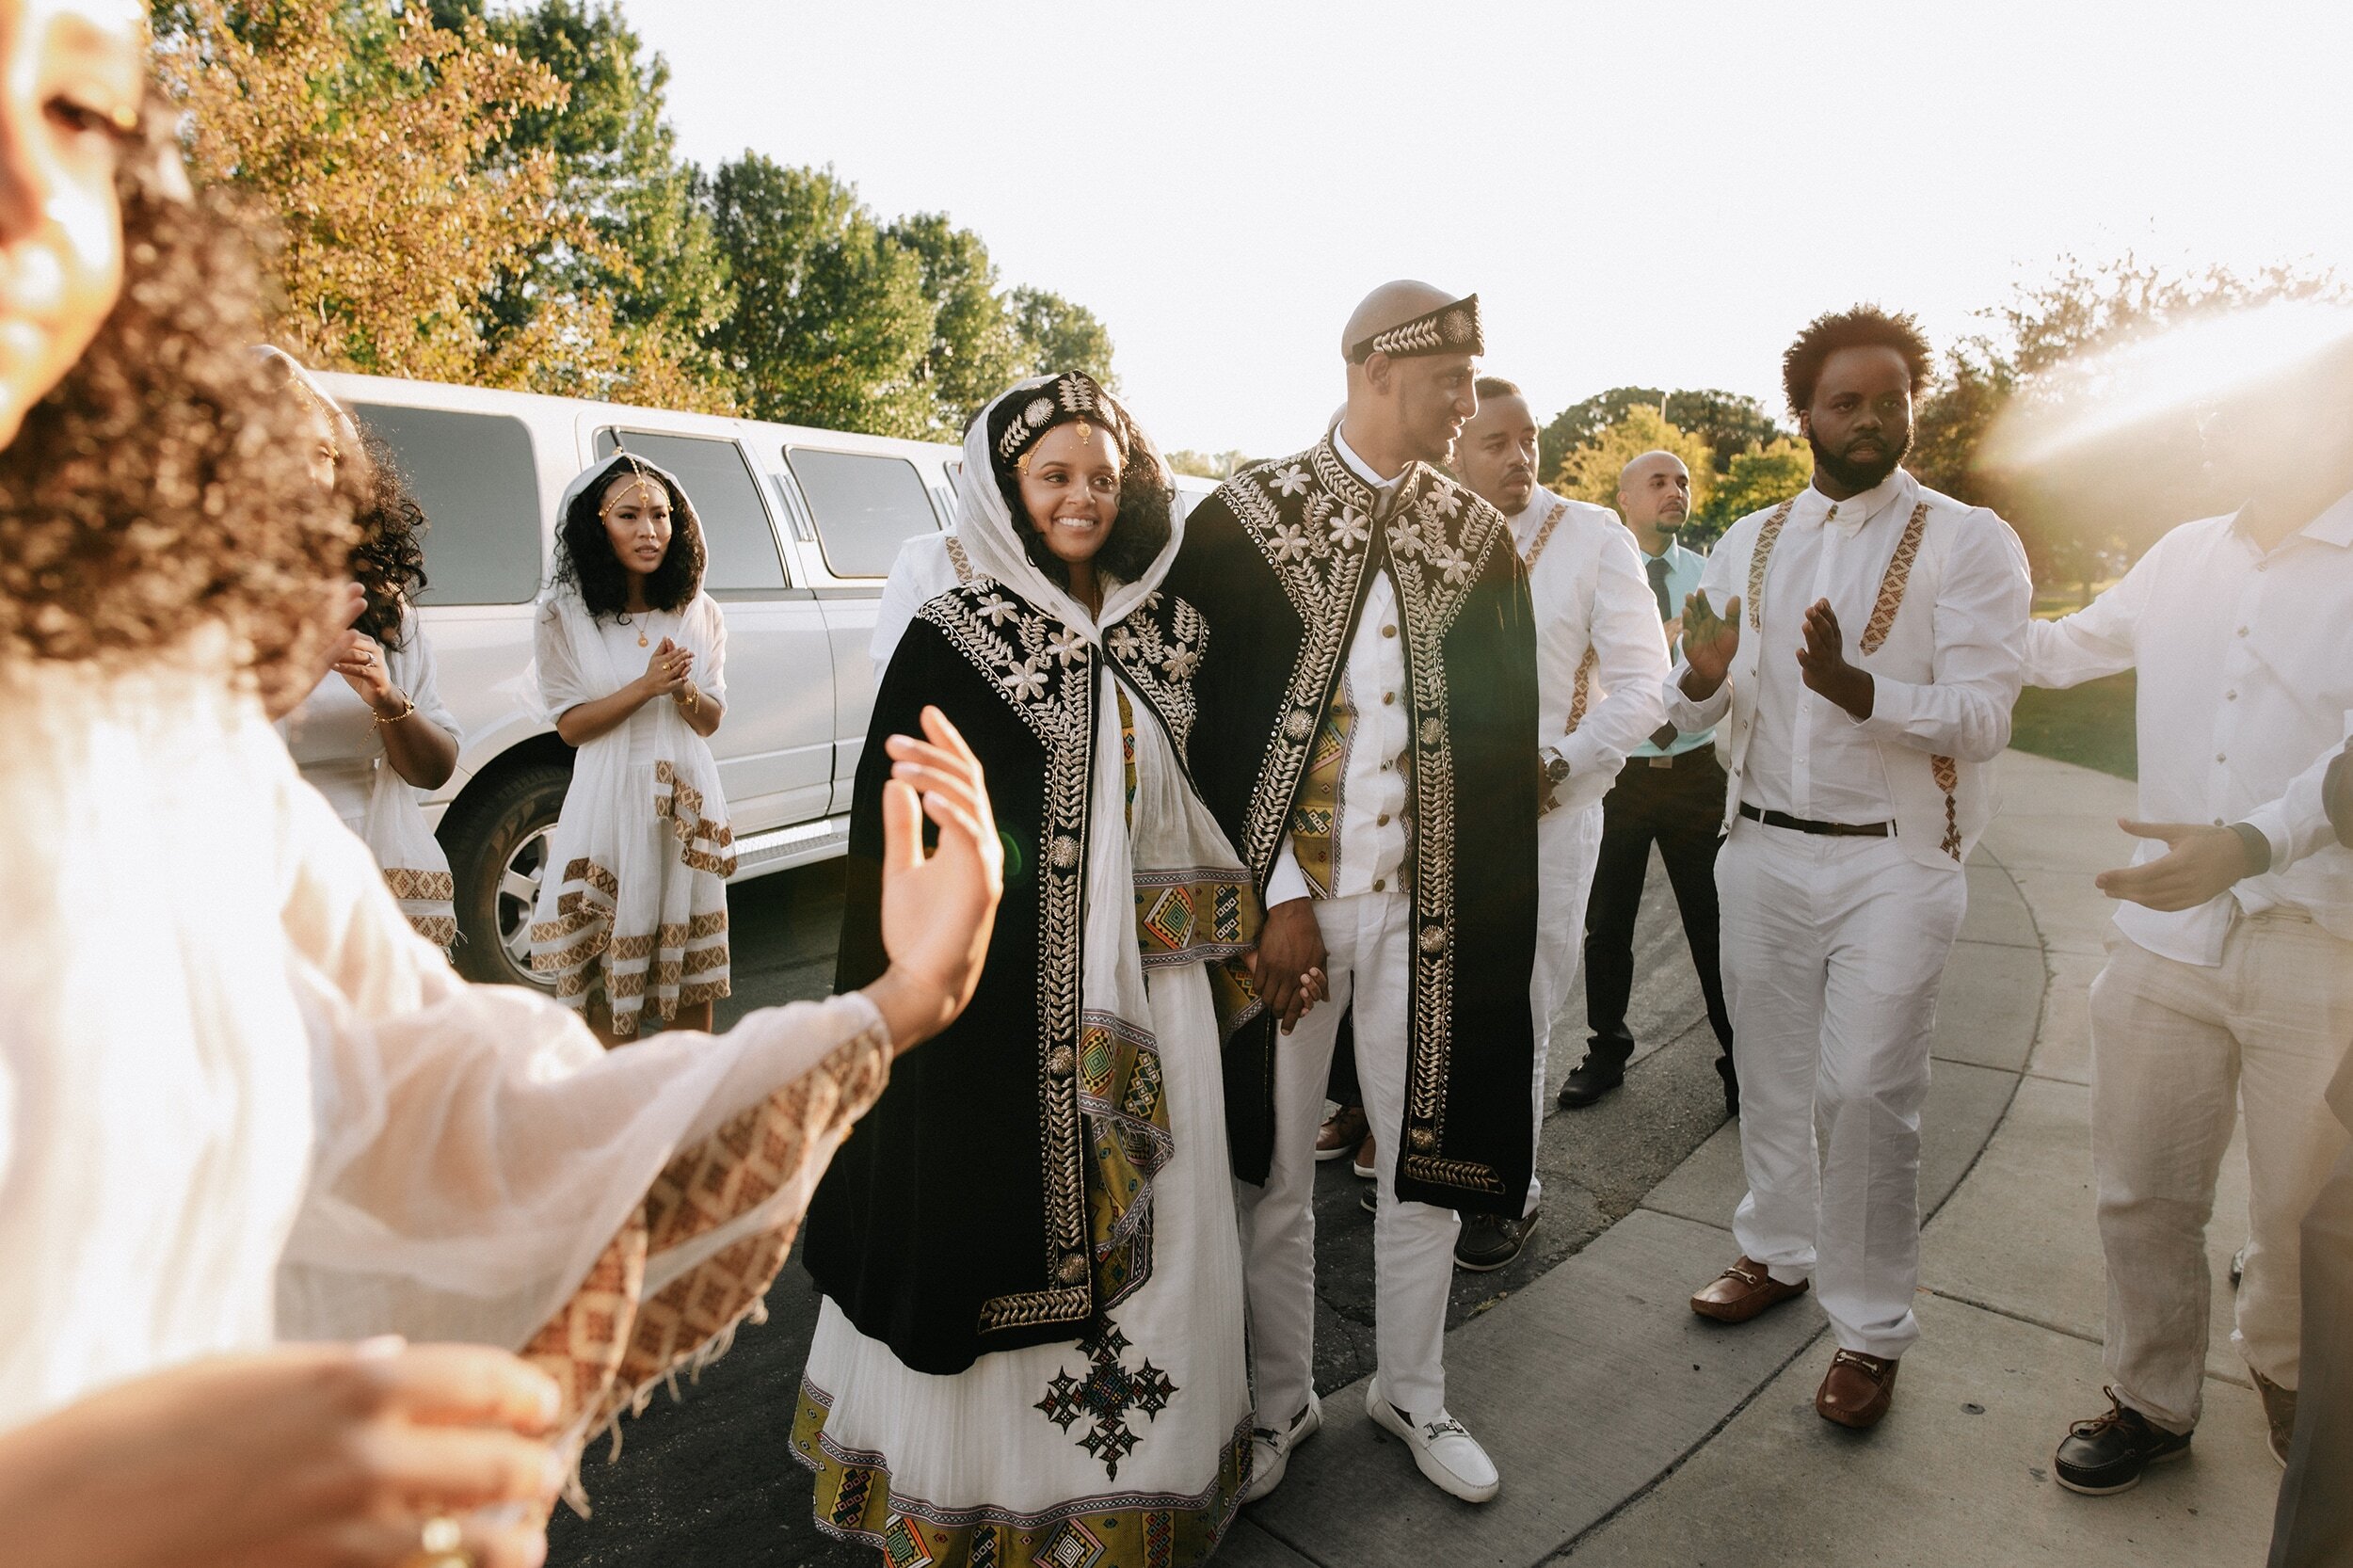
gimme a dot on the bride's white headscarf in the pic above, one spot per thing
(985, 523)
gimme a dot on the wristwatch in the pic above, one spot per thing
(1555, 769)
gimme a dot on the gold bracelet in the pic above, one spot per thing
(690, 700)
(402, 714)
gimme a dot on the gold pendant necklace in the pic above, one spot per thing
(641, 639)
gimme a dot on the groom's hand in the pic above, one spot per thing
(1288, 965)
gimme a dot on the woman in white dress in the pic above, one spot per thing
(240, 1099)
(1030, 1345)
(375, 731)
(632, 914)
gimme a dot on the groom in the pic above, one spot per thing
(1366, 704)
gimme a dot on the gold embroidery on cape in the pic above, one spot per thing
(1123, 1105)
(1046, 673)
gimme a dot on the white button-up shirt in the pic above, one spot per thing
(2246, 661)
(1590, 595)
(1369, 833)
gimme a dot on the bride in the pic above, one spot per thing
(1031, 1342)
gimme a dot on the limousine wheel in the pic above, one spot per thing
(498, 853)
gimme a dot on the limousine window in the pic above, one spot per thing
(739, 545)
(475, 477)
(866, 507)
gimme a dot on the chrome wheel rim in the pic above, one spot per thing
(518, 897)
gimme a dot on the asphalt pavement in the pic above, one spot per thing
(709, 1482)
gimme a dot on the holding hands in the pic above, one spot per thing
(1287, 964)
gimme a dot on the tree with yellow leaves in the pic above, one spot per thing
(1589, 471)
(373, 136)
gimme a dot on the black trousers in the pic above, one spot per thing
(2314, 1525)
(1681, 809)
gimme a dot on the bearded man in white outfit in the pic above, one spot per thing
(1600, 658)
(1859, 644)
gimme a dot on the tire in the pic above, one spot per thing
(498, 850)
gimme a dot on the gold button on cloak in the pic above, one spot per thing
(1064, 853)
(1074, 1269)
(1062, 1062)
(1423, 1139)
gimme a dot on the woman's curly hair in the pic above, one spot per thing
(584, 558)
(389, 560)
(163, 484)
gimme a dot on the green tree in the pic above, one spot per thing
(1061, 336)
(976, 349)
(832, 323)
(1590, 472)
(650, 259)
(1762, 476)
(1207, 465)
(1730, 423)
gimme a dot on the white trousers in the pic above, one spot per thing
(2178, 1051)
(1833, 950)
(1369, 939)
(1568, 844)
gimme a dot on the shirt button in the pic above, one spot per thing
(1380, 884)
(1381, 821)
(1388, 699)
(1389, 632)
(2220, 758)
(2230, 696)
(2242, 631)
(2217, 821)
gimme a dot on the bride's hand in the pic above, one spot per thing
(936, 911)
(326, 636)
(288, 1458)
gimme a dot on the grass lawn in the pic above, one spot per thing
(2090, 723)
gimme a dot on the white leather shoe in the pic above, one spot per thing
(1449, 1456)
(1270, 1450)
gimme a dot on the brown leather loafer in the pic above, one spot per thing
(1340, 1134)
(1743, 1291)
(1856, 1390)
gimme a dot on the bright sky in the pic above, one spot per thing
(1641, 193)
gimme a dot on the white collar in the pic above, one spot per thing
(1854, 512)
(1361, 468)
(1540, 504)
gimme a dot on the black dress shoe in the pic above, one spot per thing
(1489, 1241)
(1587, 1083)
(1732, 1087)
(2108, 1452)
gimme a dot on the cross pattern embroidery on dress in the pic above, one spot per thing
(1106, 1396)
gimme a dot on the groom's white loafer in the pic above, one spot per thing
(1442, 1450)
(1271, 1449)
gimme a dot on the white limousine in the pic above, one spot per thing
(801, 528)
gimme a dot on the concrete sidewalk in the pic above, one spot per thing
(1630, 1432)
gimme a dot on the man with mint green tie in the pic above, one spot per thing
(1671, 793)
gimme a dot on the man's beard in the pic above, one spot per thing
(1859, 476)
(1670, 522)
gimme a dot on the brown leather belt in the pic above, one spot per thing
(1827, 829)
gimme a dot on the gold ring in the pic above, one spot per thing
(442, 1545)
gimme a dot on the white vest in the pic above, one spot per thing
(1942, 803)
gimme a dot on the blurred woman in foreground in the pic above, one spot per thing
(240, 1098)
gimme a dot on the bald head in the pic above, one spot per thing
(1654, 498)
(1391, 305)
(1408, 409)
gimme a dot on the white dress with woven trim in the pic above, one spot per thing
(632, 900)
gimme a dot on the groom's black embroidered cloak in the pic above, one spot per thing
(1278, 561)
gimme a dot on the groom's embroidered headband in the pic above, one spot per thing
(1448, 329)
